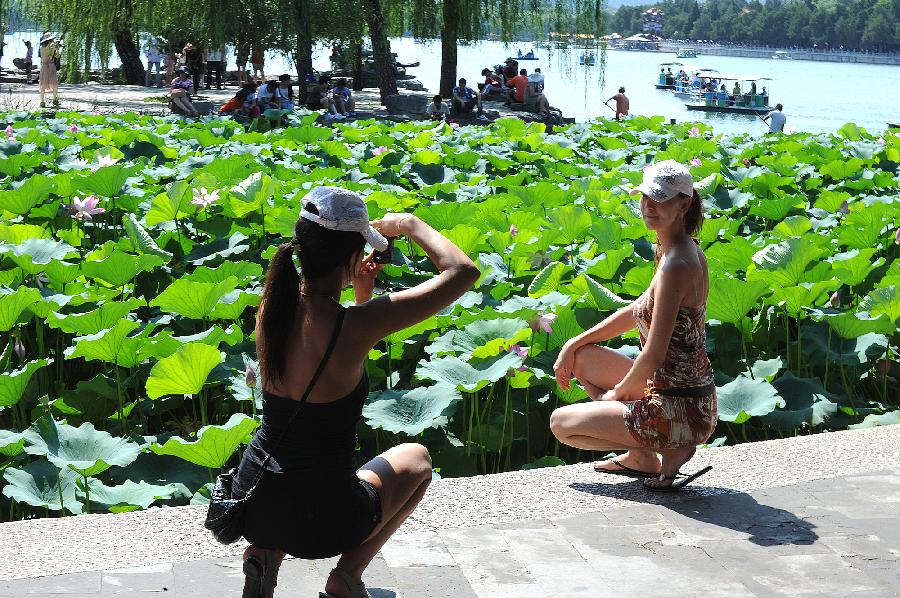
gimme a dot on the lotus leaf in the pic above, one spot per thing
(871, 421)
(112, 345)
(33, 255)
(13, 303)
(853, 267)
(743, 398)
(413, 411)
(821, 347)
(117, 267)
(141, 239)
(196, 300)
(11, 443)
(602, 298)
(14, 383)
(797, 298)
(108, 181)
(730, 299)
(106, 316)
(171, 205)
(40, 484)
(784, 263)
(33, 191)
(184, 372)
(483, 338)
(214, 445)
(856, 324)
(549, 461)
(885, 300)
(84, 449)
(129, 496)
(807, 403)
(455, 372)
(548, 279)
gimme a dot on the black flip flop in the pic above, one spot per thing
(675, 486)
(627, 471)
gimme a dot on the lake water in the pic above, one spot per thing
(817, 96)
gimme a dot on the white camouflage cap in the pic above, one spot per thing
(665, 180)
(340, 209)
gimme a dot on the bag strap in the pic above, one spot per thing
(312, 383)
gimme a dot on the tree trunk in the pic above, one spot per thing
(129, 54)
(381, 49)
(303, 56)
(449, 37)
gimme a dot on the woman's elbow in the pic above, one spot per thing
(467, 272)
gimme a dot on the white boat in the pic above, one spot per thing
(780, 55)
(745, 99)
(686, 53)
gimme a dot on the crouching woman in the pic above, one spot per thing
(663, 403)
(312, 502)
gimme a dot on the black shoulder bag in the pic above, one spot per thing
(225, 514)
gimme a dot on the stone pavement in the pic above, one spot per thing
(824, 520)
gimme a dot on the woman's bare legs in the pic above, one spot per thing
(401, 475)
(599, 369)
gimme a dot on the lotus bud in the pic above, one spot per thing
(845, 208)
(835, 300)
(73, 128)
(694, 132)
(513, 231)
(381, 149)
(250, 375)
(880, 141)
(696, 162)
(897, 237)
(883, 366)
(19, 349)
(747, 162)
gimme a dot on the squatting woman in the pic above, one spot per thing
(312, 501)
(664, 402)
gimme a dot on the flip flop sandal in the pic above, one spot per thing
(627, 471)
(357, 588)
(675, 486)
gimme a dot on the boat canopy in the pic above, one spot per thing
(733, 77)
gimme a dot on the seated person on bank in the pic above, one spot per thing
(517, 87)
(318, 96)
(492, 83)
(464, 99)
(437, 109)
(287, 92)
(269, 96)
(243, 104)
(535, 101)
(343, 98)
(181, 90)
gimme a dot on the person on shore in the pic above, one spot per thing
(193, 60)
(511, 69)
(29, 61)
(48, 79)
(622, 104)
(215, 66)
(169, 66)
(492, 83)
(517, 87)
(665, 400)
(464, 98)
(181, 90)
(437, 109)
(242, 105)
(343, 99)
(776, 119)
(154, 56)
(317, 96)
(287, 92)
(270, 96)
(535, 101)
(258, 63)
(241, 54)
(312, 502)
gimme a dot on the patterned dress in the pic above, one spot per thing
(679, 407)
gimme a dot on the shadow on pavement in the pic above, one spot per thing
(765, 525)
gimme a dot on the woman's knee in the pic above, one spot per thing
(560, 422)
(418, 459)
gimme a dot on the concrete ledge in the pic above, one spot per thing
(164, 535)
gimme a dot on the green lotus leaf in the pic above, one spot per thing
(108, 181)
(196, 300)
(483, 338)
(244, 272)
(13, 303)
(863, 226)
(232, 305)
(165, 344)
(309, 134)
(161, 470)
(126, 497)
(40, 484)
(214, 445)
(33, 191)
(564, 327)
(84, 449)
(455, 372)
(885, 300)
(831, 200)
(171, 205)
(822, 347)
(842, 169)
(735, 255)
(19, 233)
(856, 324)
(548, 279)
(141, 239)
(14, 383)
(11, 443)
(792, 226)
(602, 298)
(548, 461)
(220, 248)
(767, 369)
(873, 420)
(411, 412)
(251, 194)
(425, 175)
(112, 345)
(607, 263)
(776, 208)
(730, 299)
(784, 263)
(807, 403)
(853, 267)
(569, 224)
(33, 255)
(118, 267)
(184, 372)
(467, 238)
(106, 316)
(797, 298)
(743, 398)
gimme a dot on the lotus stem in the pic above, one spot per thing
(87, 494)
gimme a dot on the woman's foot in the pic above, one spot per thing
(638, 461)
(261, 572)
(672, 461)
(342, 584)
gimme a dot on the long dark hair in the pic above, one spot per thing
(693, 222)
(319, 250)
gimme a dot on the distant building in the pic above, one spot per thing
(653, 21)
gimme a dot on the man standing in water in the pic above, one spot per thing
(622, 104)
(777, 119)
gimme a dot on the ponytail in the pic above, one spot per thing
(279, 303)
(693, 222)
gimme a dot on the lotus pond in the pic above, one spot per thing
(132, 250)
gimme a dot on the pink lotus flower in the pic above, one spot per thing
(694, 132)
(880, 141)
(19, 349)
(519, 350)
(10, 133)
(696, 162)
(897, 237)
(103, 161)
(747, 162)
(835, 300)
(86, 208)
(380, 150)
(454, 125)
(250, 375)
(204, 198)
(845, 208)
(73, 128)
(513, 231)
(545, 323)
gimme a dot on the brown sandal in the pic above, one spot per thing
(357, 588)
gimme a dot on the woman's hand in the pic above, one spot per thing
(565, 366)
(364, 278)
(389, 225)
(621, 392)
